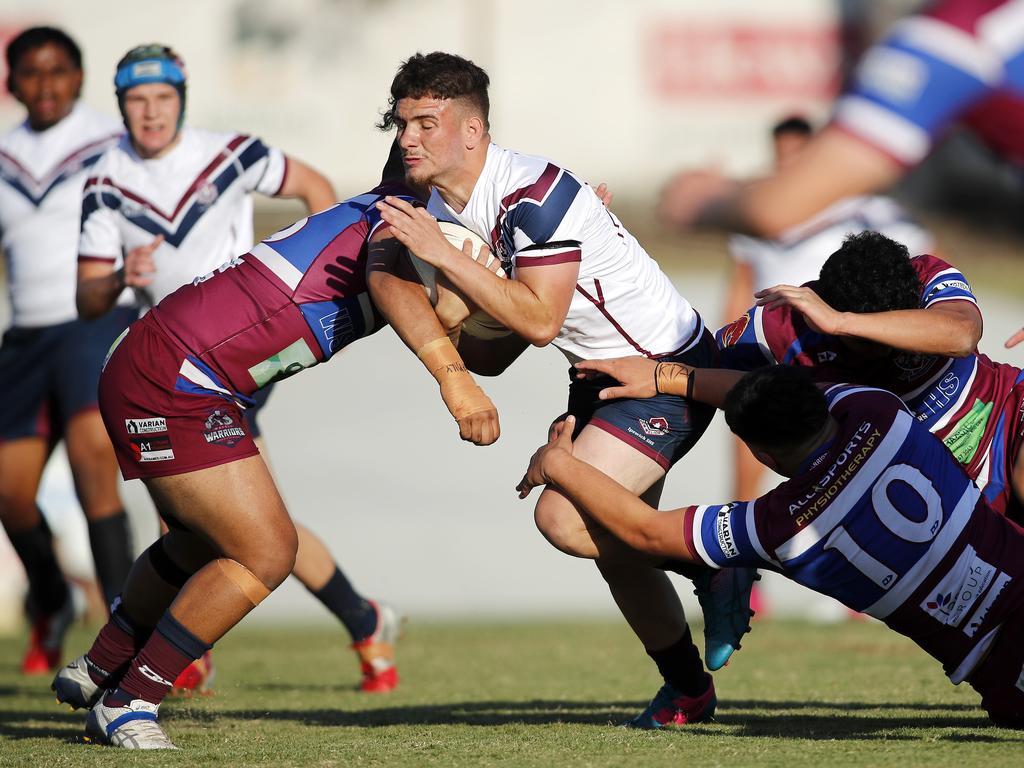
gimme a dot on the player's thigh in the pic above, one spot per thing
(21, 467)
(569, 528)
(237, 508)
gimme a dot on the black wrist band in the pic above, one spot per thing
(689, 383)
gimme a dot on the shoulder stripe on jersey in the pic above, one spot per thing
(35, 190)
(910, 581)
(698, 538)
(289, 274)
(904, 140)
(1003, 29)
(833, 514)
(949, 45)
(565, 257)
(759, 334)
(551, 194)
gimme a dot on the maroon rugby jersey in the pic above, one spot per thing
(970, 403)
(291, 302)
(884, 520)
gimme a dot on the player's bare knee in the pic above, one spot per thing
(18, 510)
(272, 557)
(560, 524)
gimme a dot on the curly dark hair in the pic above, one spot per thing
(870, 273)
(37, 37)
(441, 75)
(779, 406)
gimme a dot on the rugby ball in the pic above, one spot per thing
(479, 323)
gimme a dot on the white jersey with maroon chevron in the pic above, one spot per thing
(884, 520)
(41, 178)
(196, 196)
(533, 214)
(799, 253)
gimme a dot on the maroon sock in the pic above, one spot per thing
(114, 648)
(168, 651)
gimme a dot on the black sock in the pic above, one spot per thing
(111, 541)
(47, 589)
(356, 613)
(681, 666)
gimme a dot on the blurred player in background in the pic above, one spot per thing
(875, 514)
(908, 325)
(796, 256)
(170, 203)
(959, 61)
(49, 359)
(172, 396)
(579, 280)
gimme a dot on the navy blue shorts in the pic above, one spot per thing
(49, 375)
(663, 427)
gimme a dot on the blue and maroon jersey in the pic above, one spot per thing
(291, 302)
(970, 403)
(959, 61)
(884, 520)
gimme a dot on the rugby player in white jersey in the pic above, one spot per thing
(49, 360)
(797, 255)
(175, 202)
(578, 280)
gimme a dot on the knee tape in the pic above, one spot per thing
(254, 590)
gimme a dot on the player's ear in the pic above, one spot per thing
(474, 131)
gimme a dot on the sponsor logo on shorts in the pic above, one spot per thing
(723, 528)
(221, 429)
(147, 449)
(955, 595)
(732, 332)
(979, 616)
(145, 426)
(656, 425)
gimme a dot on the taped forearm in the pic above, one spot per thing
(704, 385)
(460, 392)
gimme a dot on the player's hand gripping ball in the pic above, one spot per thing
(478, 323)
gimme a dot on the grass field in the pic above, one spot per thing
(538, 694)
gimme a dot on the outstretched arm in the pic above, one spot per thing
(832, 166)
(630, 519)
(950, 328)
(641, 377)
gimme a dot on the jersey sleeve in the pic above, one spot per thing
(547, 219)
(265, 169)
(743, 343)
(100, 237)
(941, 282)
(910, 86)
(725, 535)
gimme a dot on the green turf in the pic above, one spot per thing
(538, 694)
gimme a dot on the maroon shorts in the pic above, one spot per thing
(1000, 678)
(160, 422)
